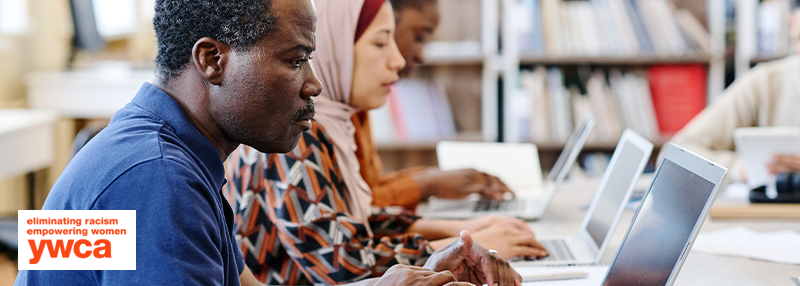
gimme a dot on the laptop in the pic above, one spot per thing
(517, 165)
(665, 225)
(587, 247)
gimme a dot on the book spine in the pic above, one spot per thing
(678, 93)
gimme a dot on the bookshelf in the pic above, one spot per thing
(615, 61)
(512, 59)
(593, 145)
(498, 64)
(442, 60)
(762, 32)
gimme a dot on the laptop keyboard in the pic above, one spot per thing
(489, 205)
(558, 251)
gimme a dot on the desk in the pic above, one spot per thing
(26, 142)
(566, 212)
(86, 94)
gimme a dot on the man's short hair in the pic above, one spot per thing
(180, 23)
(399, 5)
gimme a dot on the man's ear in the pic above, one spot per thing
(210, 58)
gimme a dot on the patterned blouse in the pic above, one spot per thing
(292, 225)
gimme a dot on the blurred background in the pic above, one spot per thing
(497, 70)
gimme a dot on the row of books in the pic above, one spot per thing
(654, 102)
(612, 28)
(416, 110)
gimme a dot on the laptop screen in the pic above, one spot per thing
(619, 179)
(573, 146)
(662, 228)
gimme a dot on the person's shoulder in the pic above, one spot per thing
(55, 277)
(783, 66)
(159, 182)
(125, 143)
(135, 146)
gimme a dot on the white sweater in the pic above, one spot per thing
(767, 95)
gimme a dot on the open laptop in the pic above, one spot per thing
(587, 247)
(666, 224)
(517, 165)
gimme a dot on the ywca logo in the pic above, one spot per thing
(104, 251)
(77, 240)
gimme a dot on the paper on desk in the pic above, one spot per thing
(777, 246)
(596, 275)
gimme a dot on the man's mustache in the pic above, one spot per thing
(305, 111)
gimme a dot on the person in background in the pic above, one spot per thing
(305, 217)
(767, 95)
(416, 21)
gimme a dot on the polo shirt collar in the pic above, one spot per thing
(167, 109)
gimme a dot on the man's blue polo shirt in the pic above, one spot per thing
(151, 159)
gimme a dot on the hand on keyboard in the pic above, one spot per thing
(460, 183)
(557, 248)
(509, 241)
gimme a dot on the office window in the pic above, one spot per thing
(147, 9)
(115, 17)
(13, 17)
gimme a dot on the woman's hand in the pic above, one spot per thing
(441, 229)
(478, 224)
(510, 241)
(459, 184)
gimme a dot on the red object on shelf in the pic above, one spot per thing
(679, 93)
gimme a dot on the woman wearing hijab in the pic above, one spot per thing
(416, 21)
(305, 216)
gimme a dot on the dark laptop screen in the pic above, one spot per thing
(662, 229)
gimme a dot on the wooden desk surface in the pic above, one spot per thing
(568, 208)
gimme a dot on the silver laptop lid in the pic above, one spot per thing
(665, 225)
(564, 162)
(614, 191)
(571, 150)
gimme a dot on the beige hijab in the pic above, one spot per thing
(333, 65)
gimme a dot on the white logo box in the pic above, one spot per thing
(78, 239)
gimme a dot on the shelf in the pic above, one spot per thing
(453, 60)
(429, 145)
(639, 60)
(426, 145)
(440, 60)
(602, 146)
